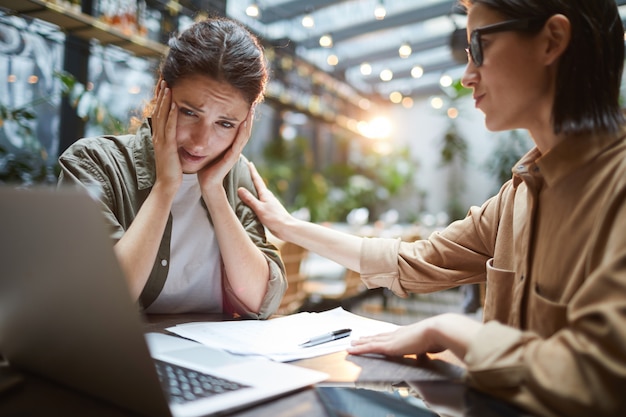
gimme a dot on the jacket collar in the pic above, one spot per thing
(143, 155)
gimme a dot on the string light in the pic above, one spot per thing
(332, 60)
(386, 75)
(366, 68)
(436, 102)
(307, 19)
(445, 81)
(380, 12)
(405, 50)
(417, 71)
(395, 97)
(326, 41)
(253, 10)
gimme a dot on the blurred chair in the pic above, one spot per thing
(345, 292)
(295, 296)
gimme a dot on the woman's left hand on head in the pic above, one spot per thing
(214, 173)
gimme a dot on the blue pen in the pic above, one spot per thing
(328, 337)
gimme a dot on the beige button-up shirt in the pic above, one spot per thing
(551, 246)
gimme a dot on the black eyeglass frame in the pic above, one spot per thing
(475, 47)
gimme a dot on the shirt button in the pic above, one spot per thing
(521, 277)
(163, 262)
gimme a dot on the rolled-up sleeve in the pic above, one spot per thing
(277, 280)
(447, 259)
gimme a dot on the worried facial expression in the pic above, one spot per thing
(209, 114)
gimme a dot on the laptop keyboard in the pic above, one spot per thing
(184, 384)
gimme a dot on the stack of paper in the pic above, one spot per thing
(279, 339)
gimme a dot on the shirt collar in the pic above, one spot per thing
(570, 154)
(574, 152)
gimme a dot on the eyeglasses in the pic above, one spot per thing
(475, 48)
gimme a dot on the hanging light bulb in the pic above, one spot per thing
(445, 81)
(405, 50)
(326, 41)
(253, 10)
(380, 12)
(366, 68)
(436, 102)
(307, 19)
(386, 75)
(417, 71)
(395, 97)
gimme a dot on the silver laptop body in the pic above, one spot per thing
(66, 314)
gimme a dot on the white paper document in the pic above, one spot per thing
(280, 338)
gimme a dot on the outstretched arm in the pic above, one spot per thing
(340, 247)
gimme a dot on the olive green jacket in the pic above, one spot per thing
(121, 171)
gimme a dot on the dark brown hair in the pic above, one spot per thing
(221, 49)
(590, 71)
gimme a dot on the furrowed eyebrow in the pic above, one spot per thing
(192, 107)
(196, 109)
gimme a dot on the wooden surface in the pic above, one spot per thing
(34, 396)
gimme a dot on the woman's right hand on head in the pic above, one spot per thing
(266, 206)
(164, 118)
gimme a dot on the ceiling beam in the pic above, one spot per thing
(435, 67)
(385, 54)
(391, 22)
(290, 9)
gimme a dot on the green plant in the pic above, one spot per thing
(88, 107)
(454, 155)
(331, 193)
(287, 168)
(512, 145)
(27, 162)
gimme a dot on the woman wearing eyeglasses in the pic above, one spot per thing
(551, 245)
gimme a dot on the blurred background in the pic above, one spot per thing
(365, 125)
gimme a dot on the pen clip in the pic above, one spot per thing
(327, 337)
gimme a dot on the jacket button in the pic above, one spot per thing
(163, 262)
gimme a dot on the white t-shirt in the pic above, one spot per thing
(194, 280)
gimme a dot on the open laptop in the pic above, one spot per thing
(66, 314)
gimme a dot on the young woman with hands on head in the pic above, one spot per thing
(183, 237)
(550, 246)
